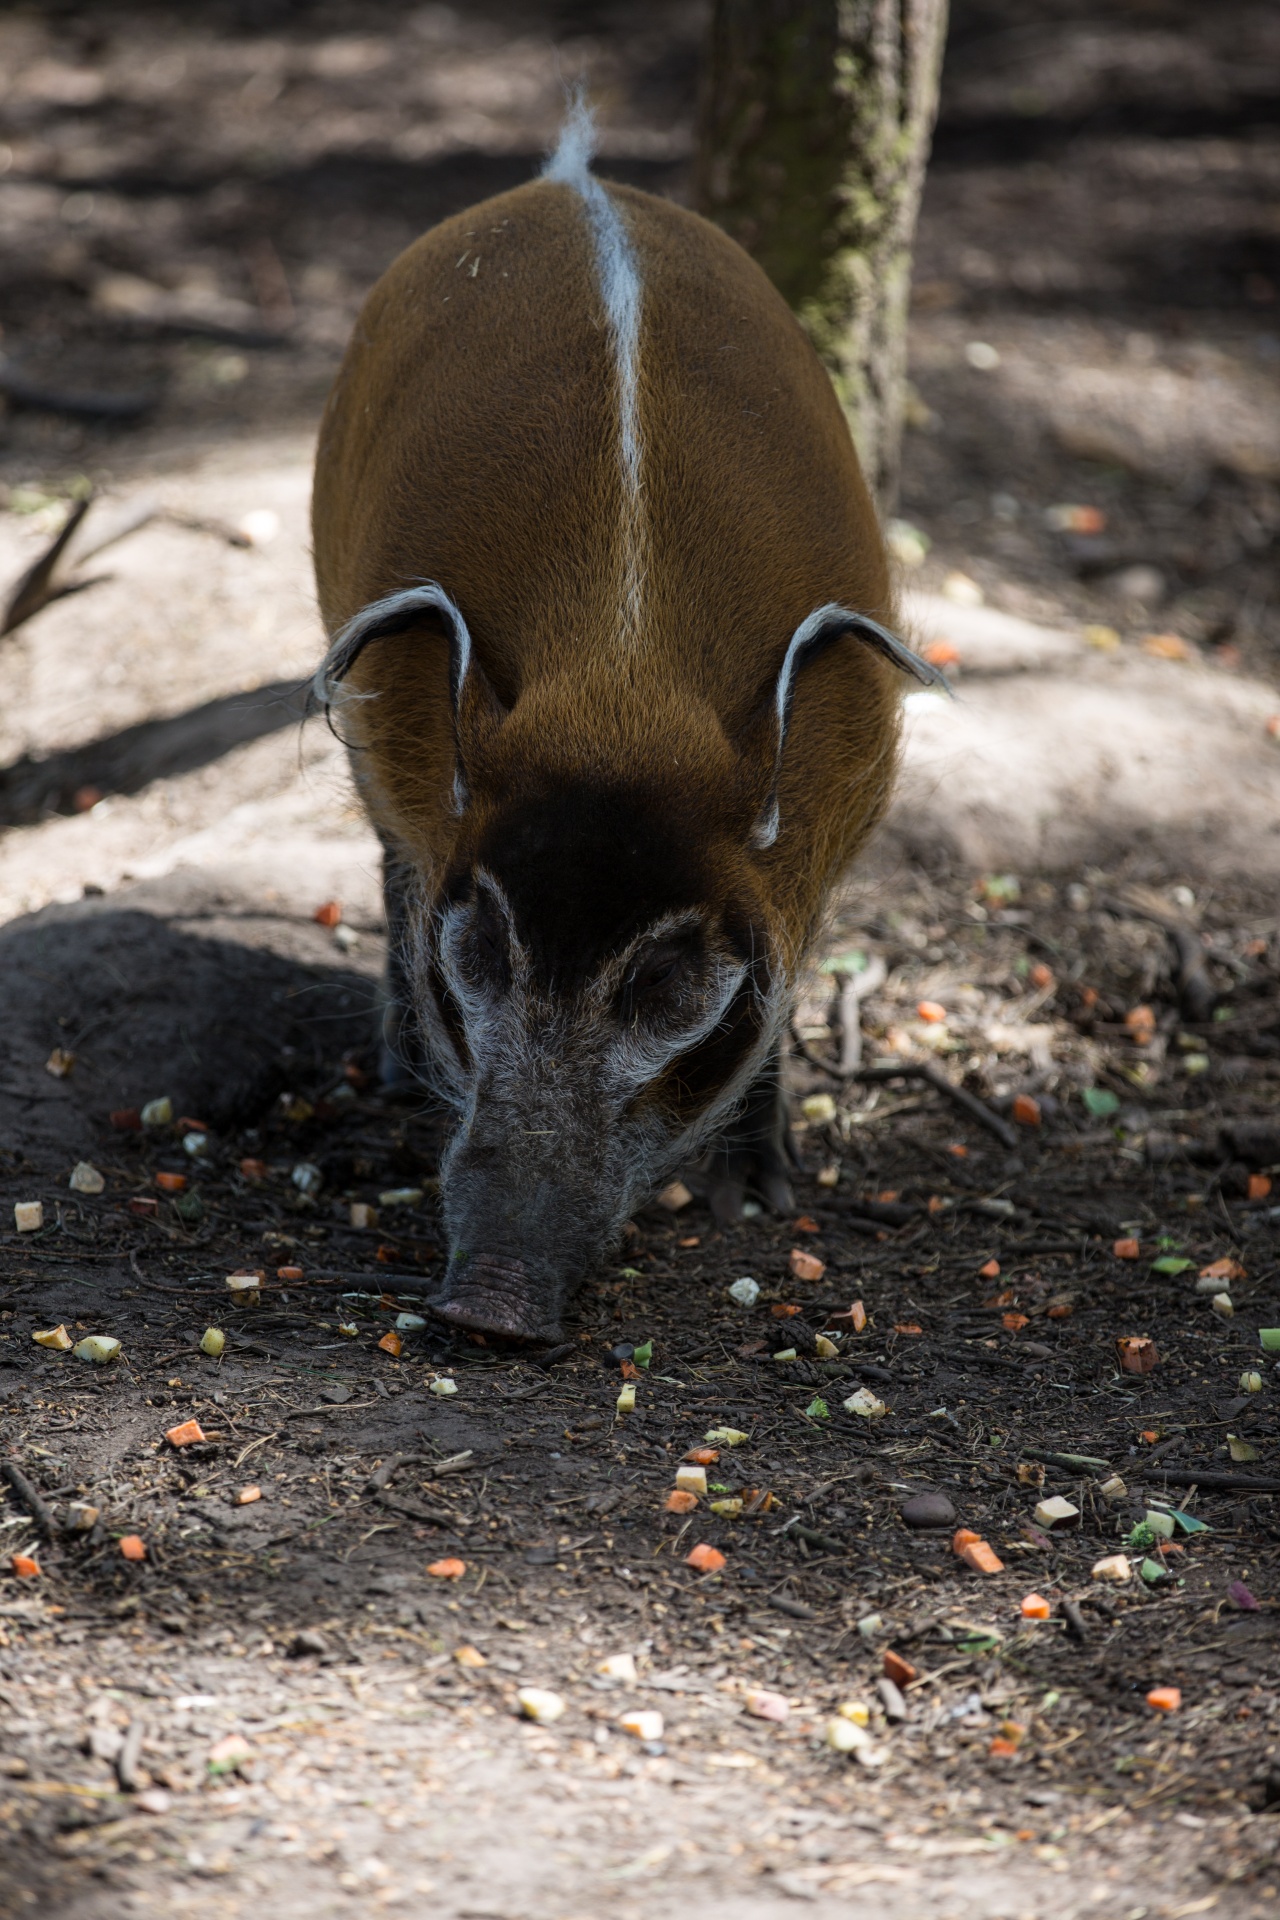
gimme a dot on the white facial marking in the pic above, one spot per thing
(620, 290)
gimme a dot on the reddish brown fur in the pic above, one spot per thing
(471, 438)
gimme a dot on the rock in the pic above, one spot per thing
(307, 1642)
(928, 1510)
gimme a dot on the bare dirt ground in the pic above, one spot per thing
(270, 1711)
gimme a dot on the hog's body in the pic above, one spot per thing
(601, 569)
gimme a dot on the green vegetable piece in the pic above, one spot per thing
(1152, 1571)
(1270, 1338)
(643, 1355)
(1159, 1523)
(1189, 1523)
(817, 1409)
(1141, 1537)
(1100, 1101)
(1171, 1263)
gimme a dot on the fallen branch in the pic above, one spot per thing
(907, 1070)
(1210, 1477)
(31, 1500)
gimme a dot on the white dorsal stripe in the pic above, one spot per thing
(620, 290)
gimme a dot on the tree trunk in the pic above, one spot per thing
(815, 124)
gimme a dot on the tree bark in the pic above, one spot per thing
(815, 123)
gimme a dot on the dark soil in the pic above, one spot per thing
(229, 151)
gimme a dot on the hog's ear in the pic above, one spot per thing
(477, 710)
(812, 637)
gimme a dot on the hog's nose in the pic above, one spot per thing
(492, 1293)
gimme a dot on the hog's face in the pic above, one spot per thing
(595, 1013)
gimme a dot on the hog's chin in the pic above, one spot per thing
(498, 1295)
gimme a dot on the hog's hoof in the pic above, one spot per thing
(495, 1296)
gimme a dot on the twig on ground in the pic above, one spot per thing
(910, 1070)
(34, 1502)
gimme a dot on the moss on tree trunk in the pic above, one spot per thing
(814, 134)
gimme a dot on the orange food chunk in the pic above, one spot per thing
(702, 1456)
(392, 1343)
(1002, 1749)
(328, 915)
(1222, 1270)
(982, 1558)
(1004, 1298)
(189, 1433)
(1165, 1699)
(858, 1316)
(680, 1501)
(805, 1266)
(781, 1311)
(288, 1273)
(991, 1271)
(900, 1671)
(247, 1496)
(1059, 1310)
(907, 1326)
(1026, 1111)
(171, 1182)
(1127, 1250)
(254, 1169)
(1137, 1353)
(447, 1569)
(961, 1153)
(133, 1547)
(1259, 1186)
(932, 1012)
(1041, 976)
(1149, 1436)
(807, 1224)
(1014, 1322)
(962, 1538)
(1141, 1022)
(1035, 1607)
(24, 1566)
(705, 1559)
(690, 1240)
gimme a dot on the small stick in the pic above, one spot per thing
(129, 1755)
(381, 1476)
(30, 1499)
(1075, 1620)
(906, 1070)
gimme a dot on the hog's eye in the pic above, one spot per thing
(659, 970)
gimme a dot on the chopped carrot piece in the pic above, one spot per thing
(171, 1182)
(702, 1456)
(392, 1343)
(705, 1559)
(807, 1224)
(961, 1153)
(133, 1547)
(329, 915)
(1041, 976)
(1127, 1250)
(1259, 1186)
(447, 1569)
(1026, 1111)
(1137, 1353)
(990, 1272)
(24, 1566)
(781, 1311)
(805, 1266)
(1149, 1436)
(1036, 1607)
(1004, 1298)
(932, 1012)
(679, 1500)
(900, 1671)
(1002, 1749)
(963, 1537)
(188, 1434)
(288, 1273)
(1014, 1322)
(248, 1496)
(907, 1326)
(982, 1558)
(1165, 1699)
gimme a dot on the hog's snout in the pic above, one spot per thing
(496, 1294)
